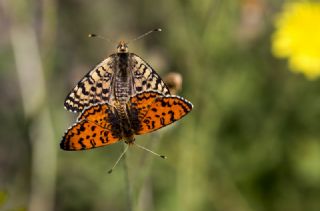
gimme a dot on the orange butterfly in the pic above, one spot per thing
(104, 124)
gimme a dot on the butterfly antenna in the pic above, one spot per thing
(145, 34)
(101, 37)
(162, 156)
(122, 154)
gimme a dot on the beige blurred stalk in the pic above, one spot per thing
(174, 82)
(30, 72)
(31, 80)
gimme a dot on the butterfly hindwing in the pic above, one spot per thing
(141, 102)
(87, 135)
(100, 114)
(93, 88)
(162, 111)
(100, 124)
(96, 126)
(145, 77)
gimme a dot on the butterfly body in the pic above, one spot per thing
(124, 121)
(123, 86)
(104, 124)
(116, 78)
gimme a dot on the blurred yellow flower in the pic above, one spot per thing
(297, 37)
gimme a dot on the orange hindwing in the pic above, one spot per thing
(142, 101)
(163, 111)
(94, 128)
(99, 114)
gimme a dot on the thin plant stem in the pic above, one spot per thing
(128, 186)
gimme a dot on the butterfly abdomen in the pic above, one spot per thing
(123, 83)
(121, 111)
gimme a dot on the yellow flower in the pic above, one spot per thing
(297, 37)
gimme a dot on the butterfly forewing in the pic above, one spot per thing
(112, 80)
(93, 88)
(146, 78)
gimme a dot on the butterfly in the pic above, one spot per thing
(118, 77)
(103, 124)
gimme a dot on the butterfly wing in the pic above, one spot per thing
(100, 114)
(141, 102)
(160, 111)
(145, 77)
(96, 127)
(94, 87)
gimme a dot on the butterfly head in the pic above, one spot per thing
(122, 47)
(130, 140)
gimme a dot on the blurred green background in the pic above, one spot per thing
(250, 144)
